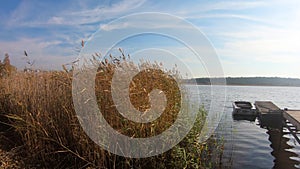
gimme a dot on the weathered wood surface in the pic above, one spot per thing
(264, 107)
(269, 115)
(293, 116)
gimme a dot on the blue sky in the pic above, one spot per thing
(252, 38)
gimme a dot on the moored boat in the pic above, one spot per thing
(243, 108)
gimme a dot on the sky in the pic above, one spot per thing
(251, 38)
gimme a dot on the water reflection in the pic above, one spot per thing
(280, 149)
(250, 118)
(279, 144)
(246, 144)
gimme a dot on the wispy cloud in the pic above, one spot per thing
(19, 14)
(147, 20)
(231, 5)
(39, 50)
(263, 32)
(56, 20)
(96, 14)
(25, 16)
(215, 7)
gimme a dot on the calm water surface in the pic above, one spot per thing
(247, 145)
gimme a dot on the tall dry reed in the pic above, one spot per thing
(39, 106)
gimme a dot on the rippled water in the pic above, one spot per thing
(247, 145)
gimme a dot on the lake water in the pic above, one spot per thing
(247, 145)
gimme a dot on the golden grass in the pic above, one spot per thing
(40, 108)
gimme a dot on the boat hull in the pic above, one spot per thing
(243, 108)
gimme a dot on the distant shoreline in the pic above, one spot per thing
(247, 81)
(242, 85)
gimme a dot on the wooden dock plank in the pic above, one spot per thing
(269, 115)
(264, 107)
(293, 116)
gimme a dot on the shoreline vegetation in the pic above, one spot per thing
(39, 126)
(248, 81)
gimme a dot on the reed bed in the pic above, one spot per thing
(39, 107)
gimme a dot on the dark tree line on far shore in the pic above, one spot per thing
(251, 81)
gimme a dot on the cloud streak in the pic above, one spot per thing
(37, 50)
(99, 14)
(262, 32)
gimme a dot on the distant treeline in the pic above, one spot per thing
(249, 81)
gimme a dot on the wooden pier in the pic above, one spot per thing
(271, 116)
(266, 107)
(292, 122)
(293, 116)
